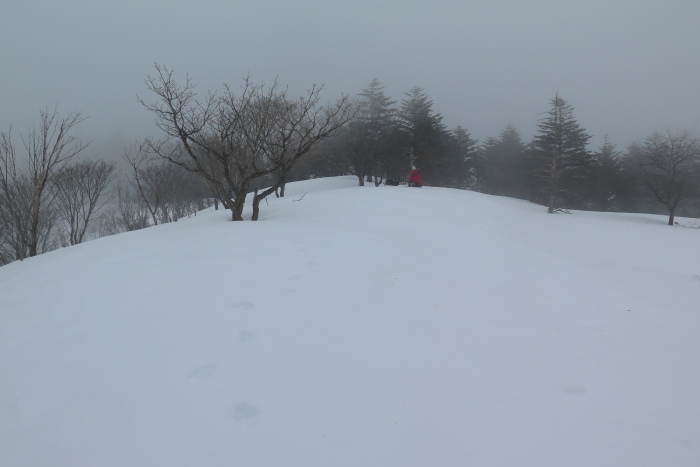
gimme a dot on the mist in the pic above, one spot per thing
(628, 67)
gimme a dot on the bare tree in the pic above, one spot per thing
(15, 195)
(80, 192)
(358, 151)
(132, 213)
(293, 129)
(168, 191)
(669, 164)
(149, 180)
(188, 194)
(24, 191)
(127, 213)
(209, 137)
(232, 139)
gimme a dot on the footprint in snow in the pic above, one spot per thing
(202, 372)
(245, 413)
(245, 336)
(243, 305)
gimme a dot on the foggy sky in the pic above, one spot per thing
(629, 67)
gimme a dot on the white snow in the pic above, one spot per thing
(359, 326)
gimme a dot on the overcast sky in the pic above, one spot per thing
(629, 67)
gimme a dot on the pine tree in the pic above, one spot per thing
(505, 169)
(462, 164)
(366, 138)
(566, 165)
(424, 134)
(609, 177)
(376, 109)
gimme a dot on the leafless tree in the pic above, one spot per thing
(24, 183)
(149, 178)
(669, 165)
(293, 129)
(15, 195)
(232, 139)
(359, 150)
(80, 191)
(169, 191)
(188, 195)
(126, 213)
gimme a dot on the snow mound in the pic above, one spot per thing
(373, 326)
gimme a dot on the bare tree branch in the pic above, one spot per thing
(233, 139)
(27, 203)
(80, 192)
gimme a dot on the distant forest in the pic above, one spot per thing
(246, 143)
(555, 168)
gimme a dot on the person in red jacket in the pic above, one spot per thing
(414, 180)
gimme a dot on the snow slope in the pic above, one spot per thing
(359, 326)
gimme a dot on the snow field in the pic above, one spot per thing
(369, 326)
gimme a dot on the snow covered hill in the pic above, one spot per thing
(359, 326)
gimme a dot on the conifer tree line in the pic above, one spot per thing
(387, 138)
(225, 147)
(556, 167)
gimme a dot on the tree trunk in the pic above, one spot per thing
(237, 204)
(261, 196)
(552, 184)
(284, 184)
(361, 179)
(256, 205)
(33, 240)
(237, 211)
(671, 215)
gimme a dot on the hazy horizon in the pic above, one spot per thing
(627, 67)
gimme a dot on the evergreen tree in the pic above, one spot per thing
(461, 169)
(485, 165)
(609, 177)
(567, 167)
(366, 138)
(505, 170)
(376, 109)
(424, 134)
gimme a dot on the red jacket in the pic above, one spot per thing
(415, 177)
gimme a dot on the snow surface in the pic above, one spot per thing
(359, 326)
